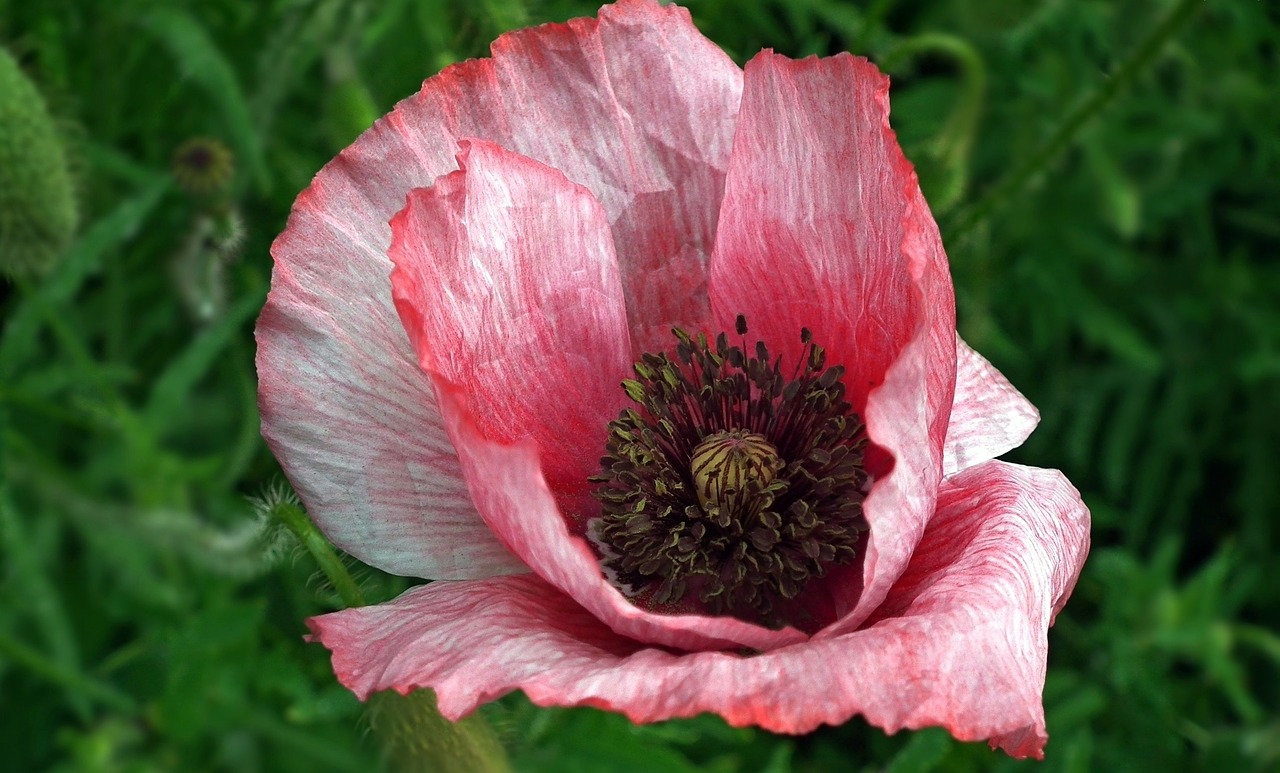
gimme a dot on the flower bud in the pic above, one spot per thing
(415, 737)
(37, 202)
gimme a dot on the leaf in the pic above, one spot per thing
(18, 344)
(174, 385)
(923, 753)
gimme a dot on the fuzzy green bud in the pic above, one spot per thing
(416, 738)
(37, 202)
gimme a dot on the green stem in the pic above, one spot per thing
(74, 681)
(1076, 120)
(297, 522)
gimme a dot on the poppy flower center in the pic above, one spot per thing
(730, 487)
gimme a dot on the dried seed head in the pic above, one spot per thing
(203, 166)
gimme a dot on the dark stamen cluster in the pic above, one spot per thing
(730, 483)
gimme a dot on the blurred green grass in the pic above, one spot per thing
(150, 619)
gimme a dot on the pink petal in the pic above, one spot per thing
(995, 567)
(506, 280)
(513, 497)
(823, 226)
(989, 416)
(961, 643)
(638, 107)
(345, 407)
(515, 625)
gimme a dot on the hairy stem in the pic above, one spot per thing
(297, 522)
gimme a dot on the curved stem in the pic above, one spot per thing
(951, 146)
(1077, 119)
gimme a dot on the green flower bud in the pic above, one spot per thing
(37, 203)
(416, 738)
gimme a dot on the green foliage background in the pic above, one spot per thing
(1105, 175)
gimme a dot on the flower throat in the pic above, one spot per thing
(731, 487)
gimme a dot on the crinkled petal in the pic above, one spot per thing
(997, 564)
(506, 280)
(989, 416)
(962, 646)
(636, 106)
(513, 497)
(345, 407)
(823, 226)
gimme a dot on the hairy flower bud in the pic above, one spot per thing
(37, 204)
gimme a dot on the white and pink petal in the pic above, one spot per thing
(989, 417)
(638, 107)
(507, 284)
(960, 644)
(346, 410)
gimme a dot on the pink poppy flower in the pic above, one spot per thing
(785, 536)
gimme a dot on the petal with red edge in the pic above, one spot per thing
(636, 106)
(345, 407)
(961, 643)
(823, 226)
(989, 416)
(512, 495)
(514, 625)
(506, 280)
